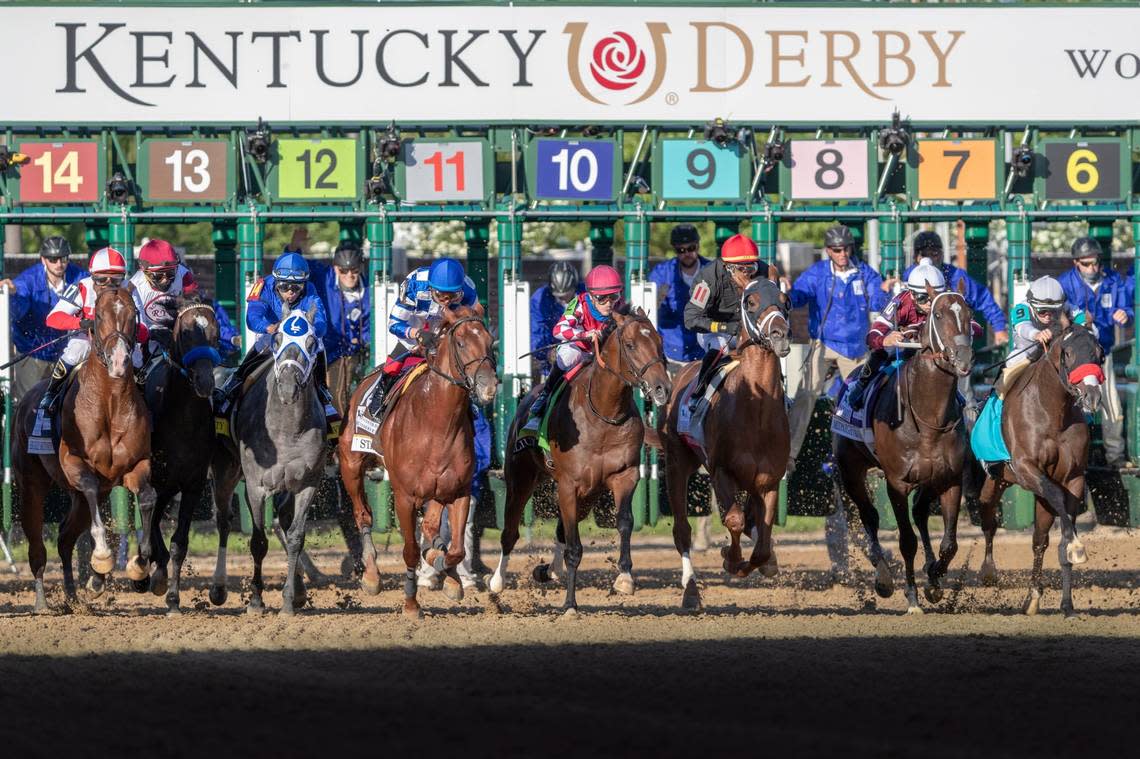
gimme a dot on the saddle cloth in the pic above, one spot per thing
(691, 420)
(986, 439)
(45, 435)
(366, 425)
(527, 438)
(856, 424)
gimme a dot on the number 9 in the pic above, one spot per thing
(1082, 161)
(703, 177)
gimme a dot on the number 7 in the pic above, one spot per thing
(962, 156)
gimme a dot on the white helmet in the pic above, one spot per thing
(1045, 293)
(925, 273)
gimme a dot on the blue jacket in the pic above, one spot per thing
(30, 304)
(415, 306)
(482, 454)
(1111, 295)
(226, 331)
(977, 297)
(545, 311)
(841, 325)
(264, 307)
(350, 329)
(680, 344)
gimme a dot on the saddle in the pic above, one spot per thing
(223, 423)
(527, 439)
(691, 416)
(46, 430)
(986, 440)
(857, 424)
(366, 425)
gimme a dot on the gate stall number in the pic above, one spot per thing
(60, 172)
(186, 171)
(829, 169)
(438, 172)
(316, 169)
(701, 170)
(575, 170)
(957, 170)
(1084, 169)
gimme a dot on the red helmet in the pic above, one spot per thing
(603, 280)
(157, 255)
(107, 261)
(739, 249)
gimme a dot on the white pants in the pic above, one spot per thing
(77, 350)
(568, 356)
(709, 341)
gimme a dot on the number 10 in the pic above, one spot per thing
(570, 168)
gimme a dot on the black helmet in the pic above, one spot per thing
(683, 234)
(838, 236)
(1086, 247)
(927, 241)
(55, 247)
(563, 278)
(348, 255)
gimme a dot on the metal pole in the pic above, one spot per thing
(380, 232)
(510, 231)
(602, 242)
(636, 261)
(122, 238)
(766, 233)
(890, 246)
(1101, 231)
(228, 284)
(478, 235)
(1134, 367)
(977, 257)
(251, 250)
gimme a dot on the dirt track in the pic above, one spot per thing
(795, 661)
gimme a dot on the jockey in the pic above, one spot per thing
(546, 308)
(155, 286)
(713, 310)
(424, 294)
(1034, 326)
(906, 312)
(269, 302)
(585, 318)
(76, 311)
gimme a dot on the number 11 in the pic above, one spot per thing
(437, 161)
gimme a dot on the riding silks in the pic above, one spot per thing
(986, 439)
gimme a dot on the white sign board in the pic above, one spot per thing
(385, 293)
(764, 64)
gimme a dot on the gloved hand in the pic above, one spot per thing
(727, 328)
(428, 340)
(87, 324)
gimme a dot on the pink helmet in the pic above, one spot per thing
(603, 280)
(107, 261)
(157, 255)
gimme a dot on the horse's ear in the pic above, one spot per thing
(929, 291)
(478, 309)
(773, 273)
(962, 287)
(618, 317)
(641, 313)
(447, 315)
(785, 302)
(1066, 321)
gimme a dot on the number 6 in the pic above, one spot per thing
(1075, 167)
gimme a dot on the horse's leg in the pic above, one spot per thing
(447, 561)
(622, 487)
(1075, 492)
(989, 498)
(568, 511)
(352, 474)
(950, 502)
(765, 502)
(33, 484)
(102, 560)
(77, 521)
(521, 477)
(137, 481)
(724, 486)
(853, 478)
(293, 595)
(920, 514)
(1056, 499)
(1042, 523)
(179, 541)
(557, 566)
(159, 556)
(406, 515)
(258, 544)
(678, 469)
(226, 474)
(907, 543)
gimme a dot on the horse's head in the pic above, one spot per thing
(633, 352)
(195, 344)
(295, 349)
(467, 343)
(116, 324)
(949, 332)
(1077, 355)
(764, 314)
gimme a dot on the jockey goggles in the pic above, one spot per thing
(446, 296)
(291, 275)
(748, 268)
(108, 280)
(606, 298)
(159, 275)
(921, 297)
(290, 287)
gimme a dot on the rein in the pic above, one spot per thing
(930, 353)
(624, 360)
(466, 382)
(100, 343)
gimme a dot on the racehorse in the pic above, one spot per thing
(1043, 424)
(104, 443)
(923, 450)
(426, 445)
(595, 434)
(279, 447)
(747, 439)
(182, 443)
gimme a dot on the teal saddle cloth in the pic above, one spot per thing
(986, 439)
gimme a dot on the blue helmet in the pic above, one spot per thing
(291, 267)
(446, 275)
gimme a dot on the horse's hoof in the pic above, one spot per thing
(771, 567)
(41, 609)
(159, 583)
(1033, 604)
(413, 613)
(914, 610)
(624, 584)
(103, 563)
(96, 584)
(691, 598)
(496, 583)
(1075, 552)
(140, 586)
(570, 612)
(136, 569)
(370, 585)
(300, 595)
(218, 594)
(542, 574)
(255, 611)
(453, 589)
(933, 593)
(173, 610)
(988, 575)
(288, 609)
(884, 582)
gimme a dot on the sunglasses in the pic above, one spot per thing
(442, 296)
(290, 287)
(107, 281)
(350, 270)
(161, 276)
(836, 250)
(1088, 264)
(692, 248)
(607, 298)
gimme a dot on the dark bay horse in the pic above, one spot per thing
(105, 442)
(182, 446)
(747, 440)
(595, 434)
(923, 451)
(1043, 424)
(427, 446)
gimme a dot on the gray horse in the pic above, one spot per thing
(279, 430)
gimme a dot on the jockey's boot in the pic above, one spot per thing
(59, 374)
(223, 396)
(383, 385)
(538, 408)
(707, 364)
(321, 382)
(856, 392)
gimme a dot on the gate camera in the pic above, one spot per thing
(895, 138)
(9, 159)
(376, 187)
(1022, 161)
(118, 188)
(389, 147)
(257, 142)
(719, 131)
(773, 153)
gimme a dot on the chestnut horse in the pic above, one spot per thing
(427, 446)
(1043, 424)
(747, 439)
(182, 443)
(923, 451)
(595, 434)
(105, 442)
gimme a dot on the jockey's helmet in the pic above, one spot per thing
(563, 279)
(157, 255)
(1045, 294)
(927, 240)
(446, 275)
(838, 236)
(1086, 247)
(739, 249)
(348, 255)
(291, 267)
(55, 247)
(107, 261)
(925, 273)
(684, 234)
(603, 280)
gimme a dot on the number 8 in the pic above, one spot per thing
(831, 166)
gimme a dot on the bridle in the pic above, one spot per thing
(466, 382)
(100, 343)
(934, 349)
(624, 363)
(186, 359)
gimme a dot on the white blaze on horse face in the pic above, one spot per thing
(119, 358)
(645, 331)
(201, 322)
(957, 309)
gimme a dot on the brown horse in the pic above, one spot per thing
(923, 451)
(1043, 424)
(427, 446)
(747, 439)
(595, 434)
(105, 442)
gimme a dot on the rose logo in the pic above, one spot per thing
(617, 62)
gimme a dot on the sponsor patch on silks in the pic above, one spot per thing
(700, 296)
(334, 430)
(362, 444)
